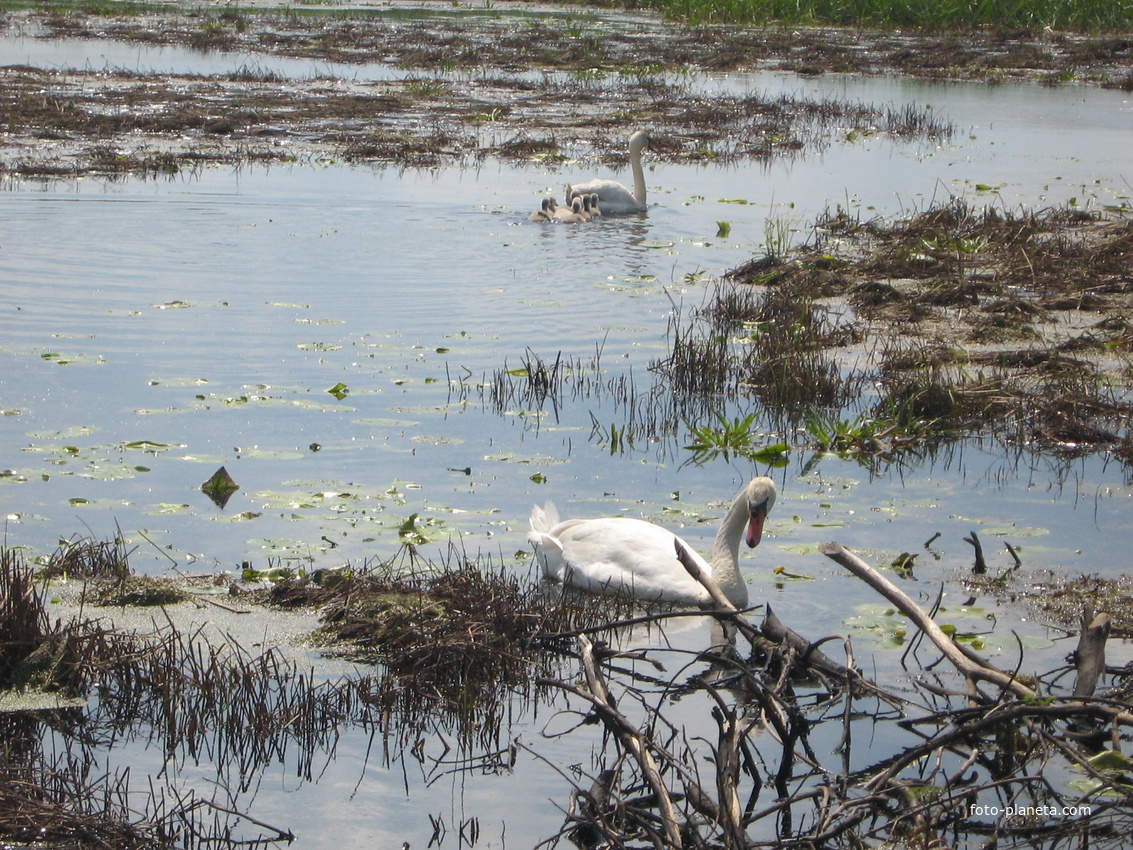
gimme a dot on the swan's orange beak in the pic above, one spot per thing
(755, 525)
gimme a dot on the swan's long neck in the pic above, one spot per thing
(726, 551)
(638, 176)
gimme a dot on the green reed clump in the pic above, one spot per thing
(1076, 15)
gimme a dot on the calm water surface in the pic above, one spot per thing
(151, 331)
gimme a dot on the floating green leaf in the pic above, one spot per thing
(146, 446)
(220, 487)
(270, 575)
(1110, 760)
(411, 533)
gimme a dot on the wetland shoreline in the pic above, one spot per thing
(463, 93)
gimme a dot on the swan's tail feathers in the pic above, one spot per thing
(548, 550)
(543, 519)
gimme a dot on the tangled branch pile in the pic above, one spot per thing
(981, 756)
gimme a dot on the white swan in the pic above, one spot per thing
(570, 214)
(546, 211)
(624, 555)
(615, 198)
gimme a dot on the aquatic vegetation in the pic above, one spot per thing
(733, 437)
(777, 239)
(220, 486)
(773, 332)
(24, 624)
(942, 274)
(428, 119)
(1091, 16)
(84, 557)
(827, 432)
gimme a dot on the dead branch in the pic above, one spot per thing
(809, 655)
(1090, 655)
(981, 565)
(631, 738)
(723, 604)
(1014, 555)
(1012, 713)
(727, 757)
(968, 663)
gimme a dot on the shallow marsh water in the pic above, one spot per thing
(153, 330)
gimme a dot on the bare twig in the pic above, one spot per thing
(631, 738)
(975, 668)
(981, 565)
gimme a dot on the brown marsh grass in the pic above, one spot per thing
(952, 322)
(979, 320)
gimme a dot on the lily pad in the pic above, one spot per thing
(67, 359)
(148, 446)
(99, 504)
(432, 440)
(1015, 531)
(271, 454)
(168, 508)
(310, 404)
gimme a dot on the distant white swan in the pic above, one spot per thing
(625, 555)
(570, 214)
(615, 198)
(546, 211)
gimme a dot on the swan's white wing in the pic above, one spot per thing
(618, 555)
(613, 197)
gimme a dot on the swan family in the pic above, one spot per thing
(631, 556)
(602, 196)
(581, 208)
